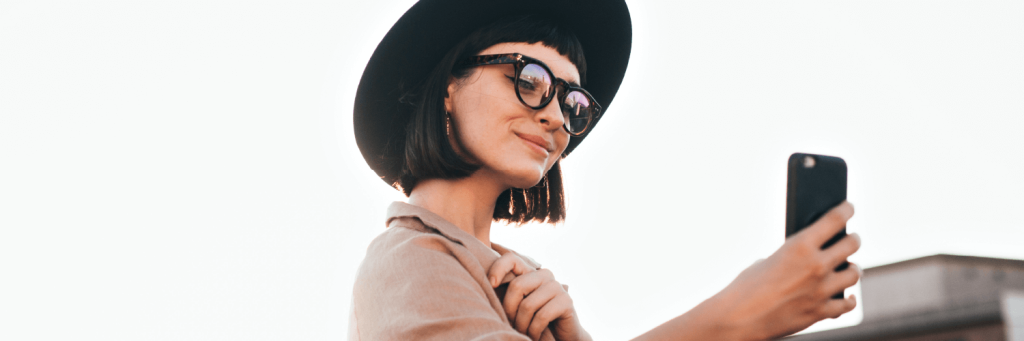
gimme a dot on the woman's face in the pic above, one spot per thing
(513, 144)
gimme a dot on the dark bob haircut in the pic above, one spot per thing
(429, 154)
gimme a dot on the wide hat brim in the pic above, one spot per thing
(428, 30)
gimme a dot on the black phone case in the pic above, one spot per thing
(812, 191)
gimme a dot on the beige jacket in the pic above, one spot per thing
(425, 279)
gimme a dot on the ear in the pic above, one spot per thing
(448, 95)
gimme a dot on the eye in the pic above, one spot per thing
(525, 84)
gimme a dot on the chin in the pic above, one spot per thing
(518, 171)
(527, 184)
(524, 178)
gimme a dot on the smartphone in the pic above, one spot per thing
(815, 184)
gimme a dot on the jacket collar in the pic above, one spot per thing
(485, 255)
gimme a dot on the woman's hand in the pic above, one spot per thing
(792, 289)
(534, 300)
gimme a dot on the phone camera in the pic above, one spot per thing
(808, 161)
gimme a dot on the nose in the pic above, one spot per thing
(550, 116)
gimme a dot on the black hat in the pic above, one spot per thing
(428, 30)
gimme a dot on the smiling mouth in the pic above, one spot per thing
(530, 141)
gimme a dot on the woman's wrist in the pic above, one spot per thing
(723, 321)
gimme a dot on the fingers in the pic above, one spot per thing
(829, 224)
(547, 331)
(839, 281)
(507, 263)
(528, 321)
(520, 287)
(551, 311)
(835, 308)
(838, 252)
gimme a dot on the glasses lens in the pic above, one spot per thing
(534, 85)
(577, 111)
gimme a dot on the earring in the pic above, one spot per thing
(448, 124)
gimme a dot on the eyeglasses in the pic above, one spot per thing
(536, 85)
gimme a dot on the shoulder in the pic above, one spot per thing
(408, 237)
(409, 252)
(414, 282)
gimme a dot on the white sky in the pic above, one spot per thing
(187, 170)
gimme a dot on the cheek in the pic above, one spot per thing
(482, 115)
(480, 130)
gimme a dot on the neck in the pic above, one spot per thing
(468, 202)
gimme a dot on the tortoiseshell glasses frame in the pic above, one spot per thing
(579, 113)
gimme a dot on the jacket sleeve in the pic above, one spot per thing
(417, 288)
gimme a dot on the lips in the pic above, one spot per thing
(537, 140)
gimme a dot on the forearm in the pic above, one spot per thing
(706, 321)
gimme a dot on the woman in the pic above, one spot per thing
(467, 107)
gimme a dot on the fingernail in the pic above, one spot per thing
(855, 235)
(493, 282)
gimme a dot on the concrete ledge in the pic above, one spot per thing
(936, 321)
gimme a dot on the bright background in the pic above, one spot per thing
(187, 170)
